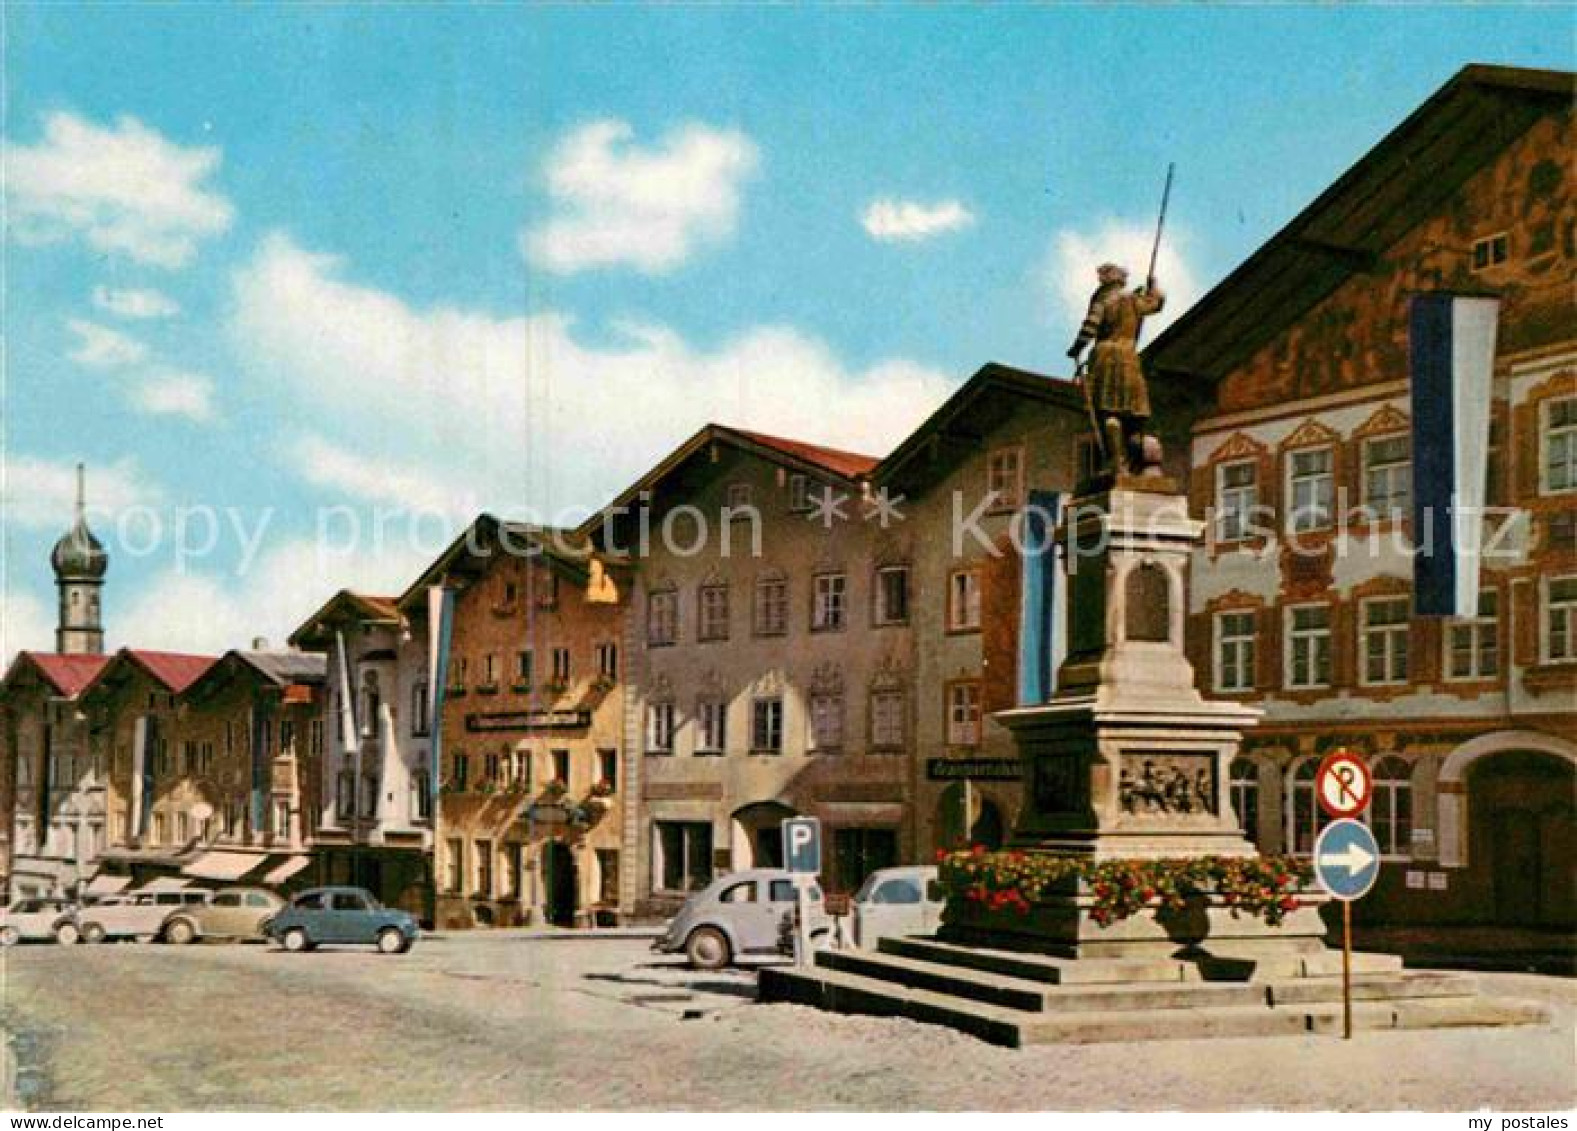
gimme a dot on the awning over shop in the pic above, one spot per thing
(222, 865)
(290, 866)
(164, 883)
(107, 885)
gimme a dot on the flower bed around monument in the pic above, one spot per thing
(1263, 886)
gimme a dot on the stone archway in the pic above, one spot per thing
(1451, 828)
(757, 838)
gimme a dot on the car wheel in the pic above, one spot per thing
(295, 940)
(180, 932)
(10, 936)
(67, 934)
(391, 941)
(92, 932)
(708, 949)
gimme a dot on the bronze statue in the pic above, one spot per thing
(1114, 381)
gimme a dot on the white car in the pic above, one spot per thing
(137, 914)
(39, 917)
(898, 901)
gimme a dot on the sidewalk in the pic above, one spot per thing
(1475, 948)
(546, 933)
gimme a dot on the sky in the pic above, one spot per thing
(308, 287)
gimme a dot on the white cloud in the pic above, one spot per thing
(343, 471)
(172, 393)
(124, 189)
(910, 220)
(26, 624)
(1069, 274)
(99, 347)
(522, 410)
(130, 302)
(649, 207)
(42, 493)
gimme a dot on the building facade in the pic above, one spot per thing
(1302, 602)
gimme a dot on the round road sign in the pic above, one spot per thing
(1346, 859)
(1343, 784)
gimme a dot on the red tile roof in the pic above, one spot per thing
(176, 670)
(68, 674)
(847, 464)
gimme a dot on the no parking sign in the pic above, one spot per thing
(1343, 784)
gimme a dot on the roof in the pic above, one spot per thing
(1410, 173)
(850, 465)
(279, 668)
(993, 394)
(567, 552)
(68, 674)
(349, 605)
(174, 671)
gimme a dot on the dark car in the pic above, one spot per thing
(341, 915)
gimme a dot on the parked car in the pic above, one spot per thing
(233, 913)
(39, 917)
(741, 915)
(898, 901)
(342, 915)
(137, 914)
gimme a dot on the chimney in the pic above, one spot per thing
(259, 643)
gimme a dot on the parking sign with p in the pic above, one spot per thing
(802, 845)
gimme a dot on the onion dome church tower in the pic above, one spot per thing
(80, 563)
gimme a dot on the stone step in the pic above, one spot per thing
(1037, 997)
(842, 991)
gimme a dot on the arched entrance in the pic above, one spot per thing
(757, 840)
(559, 884)
(965, 816)
(1521, 843)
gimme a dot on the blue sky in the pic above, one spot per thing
(275, 260)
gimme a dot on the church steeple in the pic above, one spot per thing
(80, 563)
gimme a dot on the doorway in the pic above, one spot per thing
(559, 884)
(1522, 814)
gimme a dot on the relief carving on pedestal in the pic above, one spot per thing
(1168, 785)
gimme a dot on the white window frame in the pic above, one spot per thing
(889, 709)
(1563, 436)
(965, 722)
(660, 719)
(738, 496)
(963, 600)
(1243, 785)
(1482, 636)
(769, 607)
(1235, 503)
(766, 724)
(799, 493)
(1005, 476)
(1394, 652)
(829, 602)
(1300, 796)
(1397, 474)
(1565, 614)
(827, 718)
(711, 717)
(712, 611)
(1237, 653)
(662, 618)
(1495, 242)
(1296, 523)
(883, 614)
(1393, 834)
(1318, 638)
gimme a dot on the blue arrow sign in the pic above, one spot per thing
(1346, 859)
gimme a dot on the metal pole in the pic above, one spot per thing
(802, 914)
(1346, 970)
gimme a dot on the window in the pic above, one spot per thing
(892, 595)
(1305, 815)
(608, 661)
(420, 695)
(608, 876)
(799, 492)
(1243, 781)
(454, 861)
(1388, 476)
(766, 726)
(608, 768)
(457, 673)
(462, 771)
(514, 868)
(963, 713)
(281, 820)
(771, 608)
(1237, 494)
(1560, 620)
(490, 769)
(1235, 651)
(1474, 643)
(484, 868)
(422, 795)
(490, 670)
(713, 623)
(547, 590)
(561, 668)
(683, 857)
(369, 796)
(348, 901)
(560, 766)
(826, 722)
(1490, 251)
(1391, 808)
(660, 728)
(1309, 646)
(963, 601)
(744, 892)
(738, 496)
(371, 702)
(345, 795)
(712, 725)
(1311, 488)
(511, 592)
(524, 662)
(662, 617)
(828, 604)
(887, 720)
(1005, 477)
(1385, 631)
(1559, 437)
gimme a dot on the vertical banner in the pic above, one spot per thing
(261, 724)
(150, 753)
(1451, 355)
(440, 625)
(1041, 643)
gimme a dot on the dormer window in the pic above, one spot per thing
(1490, 251)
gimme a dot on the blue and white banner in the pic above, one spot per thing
(440, 626)
(1451, 340)
(1040, 628)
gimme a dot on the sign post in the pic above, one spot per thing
(802, 857)
(1346, 864)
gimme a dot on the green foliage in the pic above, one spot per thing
(1265, 886)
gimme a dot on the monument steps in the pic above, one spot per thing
(1013, 1011)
